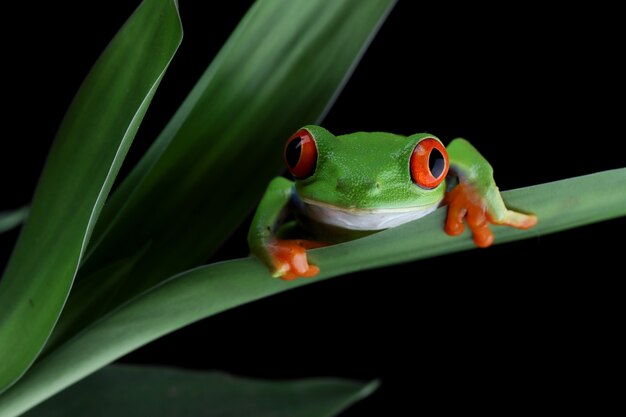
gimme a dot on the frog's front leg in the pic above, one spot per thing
(286, 259)
(477, 198)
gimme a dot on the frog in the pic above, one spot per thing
(350, 186)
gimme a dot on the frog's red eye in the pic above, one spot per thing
(301, 154)
(429, 163)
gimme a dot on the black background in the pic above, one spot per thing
(524, 325)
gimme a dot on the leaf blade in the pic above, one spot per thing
(11, 219)
(162, 392)
(211, 289)
(85, 157)
(246, 93)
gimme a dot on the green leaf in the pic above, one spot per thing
(73, 318)
(282, 68)
(11, 219)
(83, 162)
(211, 289)
(130, 391)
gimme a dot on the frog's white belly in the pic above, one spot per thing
(363, 219)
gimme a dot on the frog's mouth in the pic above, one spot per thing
(363, 219)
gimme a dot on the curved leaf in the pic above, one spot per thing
(211, 289)
(83, 162)
(11, 219)
(249, 88)
(282, 68)
(130, 391)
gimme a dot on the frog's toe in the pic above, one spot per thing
(290, 259)
(477, 222)
(517, 220)
(482, 235)
(457, 210)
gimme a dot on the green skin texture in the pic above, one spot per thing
(363, 171)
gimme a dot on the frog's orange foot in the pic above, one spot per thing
(290, 260)
(464, 202)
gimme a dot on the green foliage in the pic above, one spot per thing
(83, 162)
(138, 275)
(160, 221)
(211, 289)
(11, 219)
(162, 217)
(129, 391)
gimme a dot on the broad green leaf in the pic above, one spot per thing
(73, 317)
(11, 219)
(130, 391)
(83, 162)
(282, 68)
(211, 289)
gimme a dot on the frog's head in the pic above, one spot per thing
(367, 171)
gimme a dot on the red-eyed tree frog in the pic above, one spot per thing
(352, 185)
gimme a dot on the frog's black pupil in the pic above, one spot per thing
(294, 149)
(436, 163)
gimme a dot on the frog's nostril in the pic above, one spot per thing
(342, 184)
(360, 185)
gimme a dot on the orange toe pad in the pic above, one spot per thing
(290, 259)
